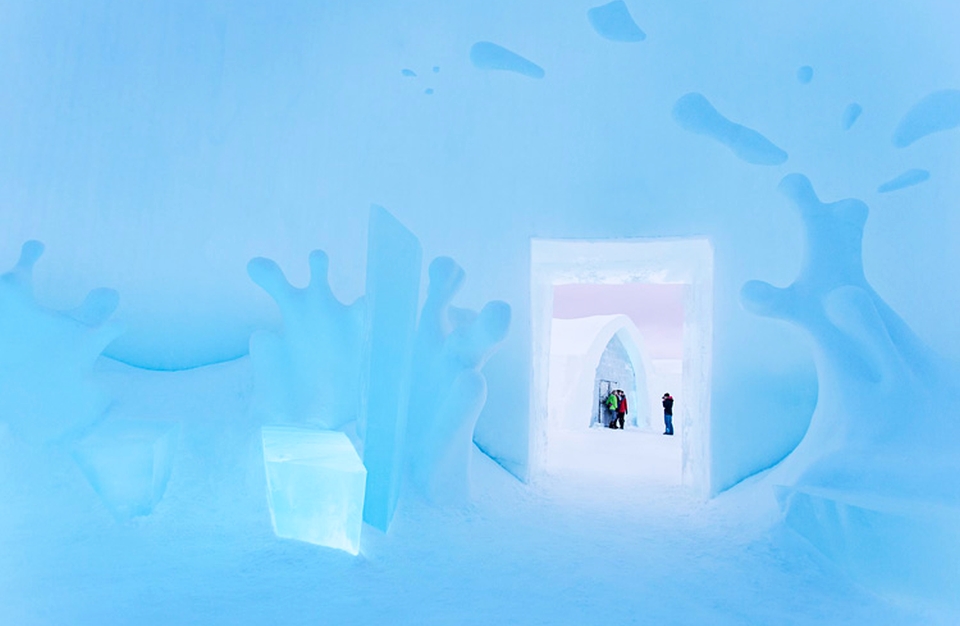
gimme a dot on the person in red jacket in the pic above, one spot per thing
(621, 409)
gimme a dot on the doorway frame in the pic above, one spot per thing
(687, 261)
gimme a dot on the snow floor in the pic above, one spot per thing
(642, 456)
(574, 547)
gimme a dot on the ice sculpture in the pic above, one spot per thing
(882, 437)
(448, 391)
(128, 463)
(309, 371)
(907, 179)
(613, 21)
(850, 115)
(805, 75)
(46, 356)
(693, 112)
(394, 266)
(489, 56)
(937, 112)
(315, 486)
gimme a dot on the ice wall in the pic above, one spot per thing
(156, 148)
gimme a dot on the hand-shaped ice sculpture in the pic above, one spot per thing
(448, 391)
(46, 356)
(309, 372)
(882, 391)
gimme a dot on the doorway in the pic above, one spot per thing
(581, 347)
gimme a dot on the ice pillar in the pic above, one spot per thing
(394, 261)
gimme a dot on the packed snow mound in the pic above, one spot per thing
(46, 356)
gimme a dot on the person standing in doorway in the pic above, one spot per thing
(668, 414)
(621, 408)
(611, 405)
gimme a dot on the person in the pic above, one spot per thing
(668, 413)
(621, 409)
(611, 404)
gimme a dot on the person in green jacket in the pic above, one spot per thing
(611, 402)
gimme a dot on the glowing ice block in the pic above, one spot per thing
(128, 463)
(394, 265)
(315, 486)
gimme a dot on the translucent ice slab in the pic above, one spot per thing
(315, 486)
(128, 463)
(393, 294)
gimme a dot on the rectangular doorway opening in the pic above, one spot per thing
(633, 317)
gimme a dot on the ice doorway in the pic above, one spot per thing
(590, 336)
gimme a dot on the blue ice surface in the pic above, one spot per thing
(936, 112)
(407, 72)
(850, 115)
(613, 21)
(695, 113)
(315, 486)
(805, 74)
(489, 56)
(128, 463)
(907, 179)
(394, 266)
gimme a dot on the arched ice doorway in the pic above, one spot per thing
(578, 348)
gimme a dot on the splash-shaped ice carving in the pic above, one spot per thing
(448, 391)
(613, 21)
(884, 435)
(881, 388)
(489, 56)
(907, 179)
(936, 112)
(128, 463)
(309, 371)
(695, 113)
(46, 356)
(850, 115)
(805, 75)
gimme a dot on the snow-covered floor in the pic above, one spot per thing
(646, 457)
(575, 547)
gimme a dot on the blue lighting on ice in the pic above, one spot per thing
(278, 302)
